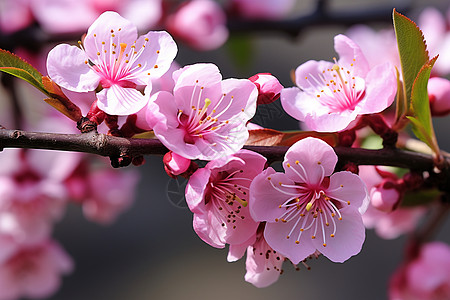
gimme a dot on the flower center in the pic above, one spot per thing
(337, 88)
(228, 194)
(206, 122)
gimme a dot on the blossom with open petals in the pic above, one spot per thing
(308, 208)
(330, 95)
(114, 59)
(427, 277)
(218, 196)
(205, 117)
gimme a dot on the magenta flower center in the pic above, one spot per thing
(337, 88)
(205, 120)
(309, 209)
(116, 64)
(228, 194)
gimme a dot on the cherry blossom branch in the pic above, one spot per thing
(105, 145)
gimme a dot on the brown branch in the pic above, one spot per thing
(105, 145)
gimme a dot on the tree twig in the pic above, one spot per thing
(105, 145)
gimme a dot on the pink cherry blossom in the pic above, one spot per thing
(263, 264)
(269, 88)
(55, 16)
(113, 58)
(426, 277)
(330, 95)
(32, 194)
(14, 15)
(205, 117)
(388, 225)
(218, 196)
(439, 94)
(111, 193)
(199, 23)
(32, 271)
(308, 208)
(263, 9)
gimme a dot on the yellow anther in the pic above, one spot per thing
(309, 206)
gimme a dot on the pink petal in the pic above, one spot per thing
(157, 56)
(381, 88)
(331, 122)
(313, 155)
(161, 111)
(350, 53)
(202, 226)
(348, 239)
(308, 75)
(243, 94)
(265, 199)
(195, 190)
(276, 236)
(236, 251)
(347, 186)
(117, 100)
(263, 268)
(66, 65)
(110, 28)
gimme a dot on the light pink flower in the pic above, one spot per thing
(33, 271)
(388, 225)
(218, 196)
(263, 9)
(33, 195)
(331, 95)
(427, 277)
(113, 58)
(199, 23)
(263, 264)
(175, 164)
(111, 193)
(56, 16)
(269, 88)
(308, 208)
(14, 15)
(205, 117)
(439, 95)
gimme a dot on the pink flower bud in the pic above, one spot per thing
(175, 164)
(439, 94)
(200, 24)
(385, 196)
(269, 87)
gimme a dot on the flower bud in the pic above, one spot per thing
(439, 95)
(175, 164)
(385, 197)
(269, 87)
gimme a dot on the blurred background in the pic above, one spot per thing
(152, 252)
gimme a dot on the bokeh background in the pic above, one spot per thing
(152, 252)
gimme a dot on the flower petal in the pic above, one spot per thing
(348, 240)
(381, 88)
(117, 100)
(350, 55)
(266, 195)
(109, 28)
(67, 66)
(346, 186)
(312, 154)
(276, 236)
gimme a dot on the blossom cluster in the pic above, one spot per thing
(314, 205)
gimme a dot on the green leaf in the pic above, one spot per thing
(420, 197)
(240, 48)
(14, 65)
(421, 121)
(412, 50)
